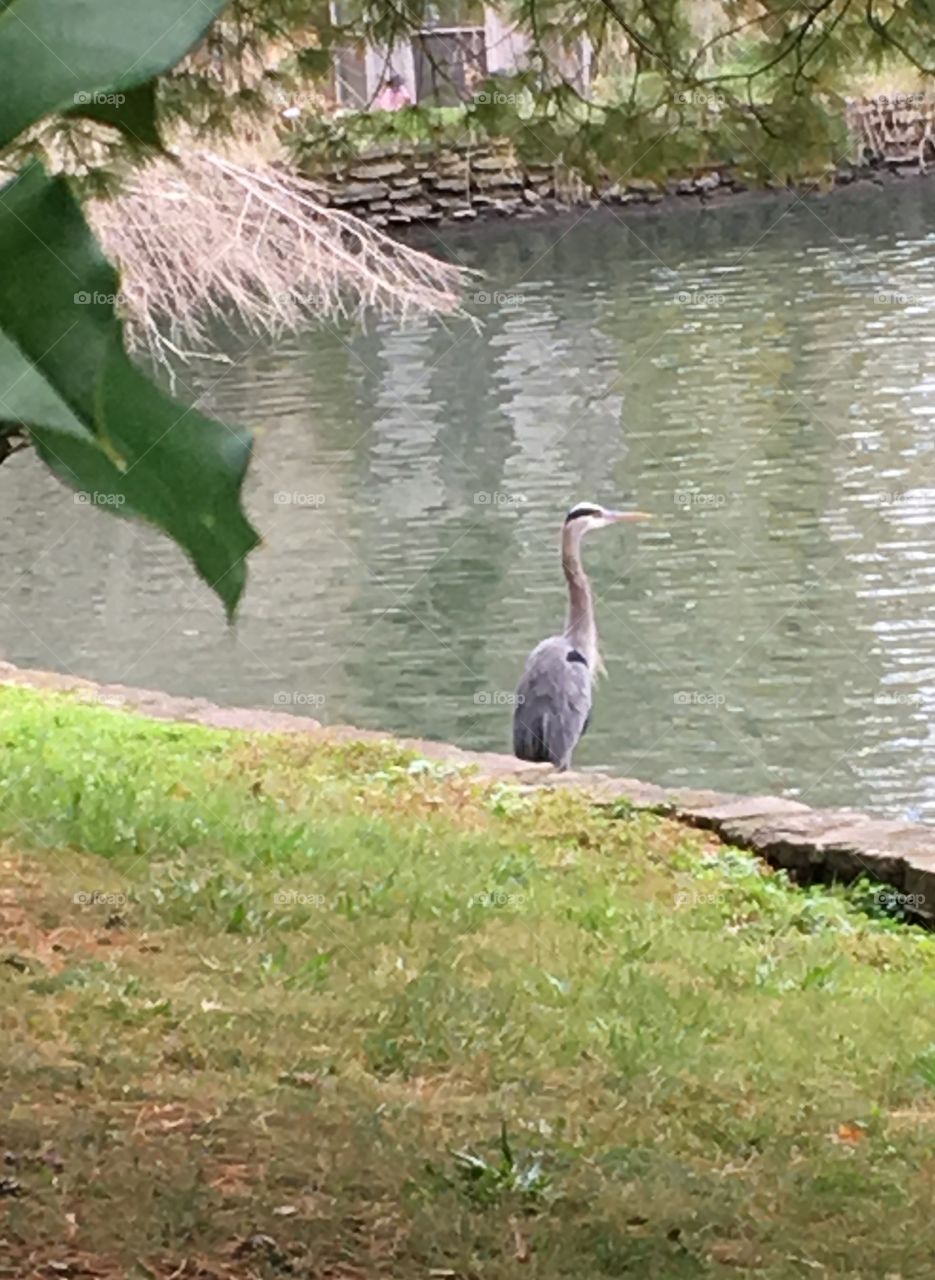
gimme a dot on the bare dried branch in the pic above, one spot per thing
(203, 238)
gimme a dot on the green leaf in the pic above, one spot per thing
(59, 54)
(26, 396)
(97, 421)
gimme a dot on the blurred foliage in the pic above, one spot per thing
(673, 84)
(67, 385)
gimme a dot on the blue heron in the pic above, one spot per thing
(553, 698)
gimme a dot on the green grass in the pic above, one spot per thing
(278, 1007)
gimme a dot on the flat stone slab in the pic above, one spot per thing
(766, 807)
(376, 170)
(827, 843)
(795, 840)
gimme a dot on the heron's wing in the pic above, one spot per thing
(553, 703)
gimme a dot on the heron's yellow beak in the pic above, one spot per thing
(617, 516)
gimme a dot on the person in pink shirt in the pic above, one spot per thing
(393, 95)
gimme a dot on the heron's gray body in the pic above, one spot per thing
(553, 703)
(553, 699)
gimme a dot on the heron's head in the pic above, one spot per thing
(585, 516)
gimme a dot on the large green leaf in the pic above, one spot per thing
(96, 420)
(62, 55)
(25, 396)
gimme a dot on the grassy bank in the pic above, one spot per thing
(276, 1008)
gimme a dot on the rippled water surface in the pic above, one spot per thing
(759, 377)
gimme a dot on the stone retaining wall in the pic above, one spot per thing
(812, 844)
(403, 185)
(397, 186)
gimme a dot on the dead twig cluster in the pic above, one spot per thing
(204, 240)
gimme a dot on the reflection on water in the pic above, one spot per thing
(762, 383)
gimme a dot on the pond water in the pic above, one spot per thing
(758, 376)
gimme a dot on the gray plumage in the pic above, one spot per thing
(553, 698)
(553, 703)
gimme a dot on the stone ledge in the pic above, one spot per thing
(838, 844)
(488, 173)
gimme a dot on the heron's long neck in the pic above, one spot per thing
(580, 626)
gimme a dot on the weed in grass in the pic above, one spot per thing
(486, 1181)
